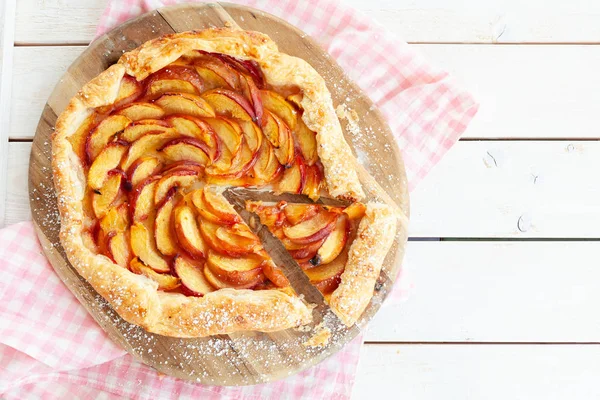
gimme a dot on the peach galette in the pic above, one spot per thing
(142, 154)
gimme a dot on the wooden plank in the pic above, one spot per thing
(525, 91)
(57, 21)
(37, 70)
(17, 198)
(515, 189)
(495, 292)
(473, 21)
(532, 91)
(478, 372)
(487, 187)
(431, 21)
(7, 31)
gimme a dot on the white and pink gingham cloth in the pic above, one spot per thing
(51, 348)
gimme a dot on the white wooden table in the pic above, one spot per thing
(504, 249)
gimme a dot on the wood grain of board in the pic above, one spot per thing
(510, 82)
(235, 359)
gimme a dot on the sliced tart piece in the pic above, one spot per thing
(341, 249)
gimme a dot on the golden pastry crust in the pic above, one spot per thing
(135, 297)
(375, 235)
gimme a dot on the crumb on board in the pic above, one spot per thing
(320, 338)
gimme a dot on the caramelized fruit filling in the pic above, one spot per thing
(205, 119)
(316, 236)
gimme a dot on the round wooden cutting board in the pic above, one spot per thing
(242, 358)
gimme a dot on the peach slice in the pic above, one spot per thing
(192, 277)
(311, 229)
(208, 230)
(229, 139)
(252, 134)
(165, 281)
(219, 67)
(216, 204)
(144, 247)
(296, 100)
(305, 252)
(165, 241)
(142, 169)
(275, 103)
(266, 168)
(104, 133)
(186, 149)
(78, 139)
(235, 240)
(270, 128)
(228, 132)
(313, 182)
(293, 179)
(269, 216)
(142, 198)
(138, 111)
(285, 152)
(207, 214)
(185, 103)
(118, 248)
(179, 178)
(162, 86)
(232, 241)
(328, 286)
(274, 274)
(230, 103)
(335, 242)
(307, 142)
(129, 90)
(355, 210)
(242, 162)
(326, 271)
(187, 231)
(290, 245)
(107, 160)
(175, 78)
(251, 92)
(147, 146)
(181, 72)
(244, 66)
(116, 219)
(223, 284)
(140, 128)
(211, 79)
(296, 213)
(199, 129)
(235, 270)
(103, 198)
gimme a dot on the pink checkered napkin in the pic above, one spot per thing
(51, 348)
